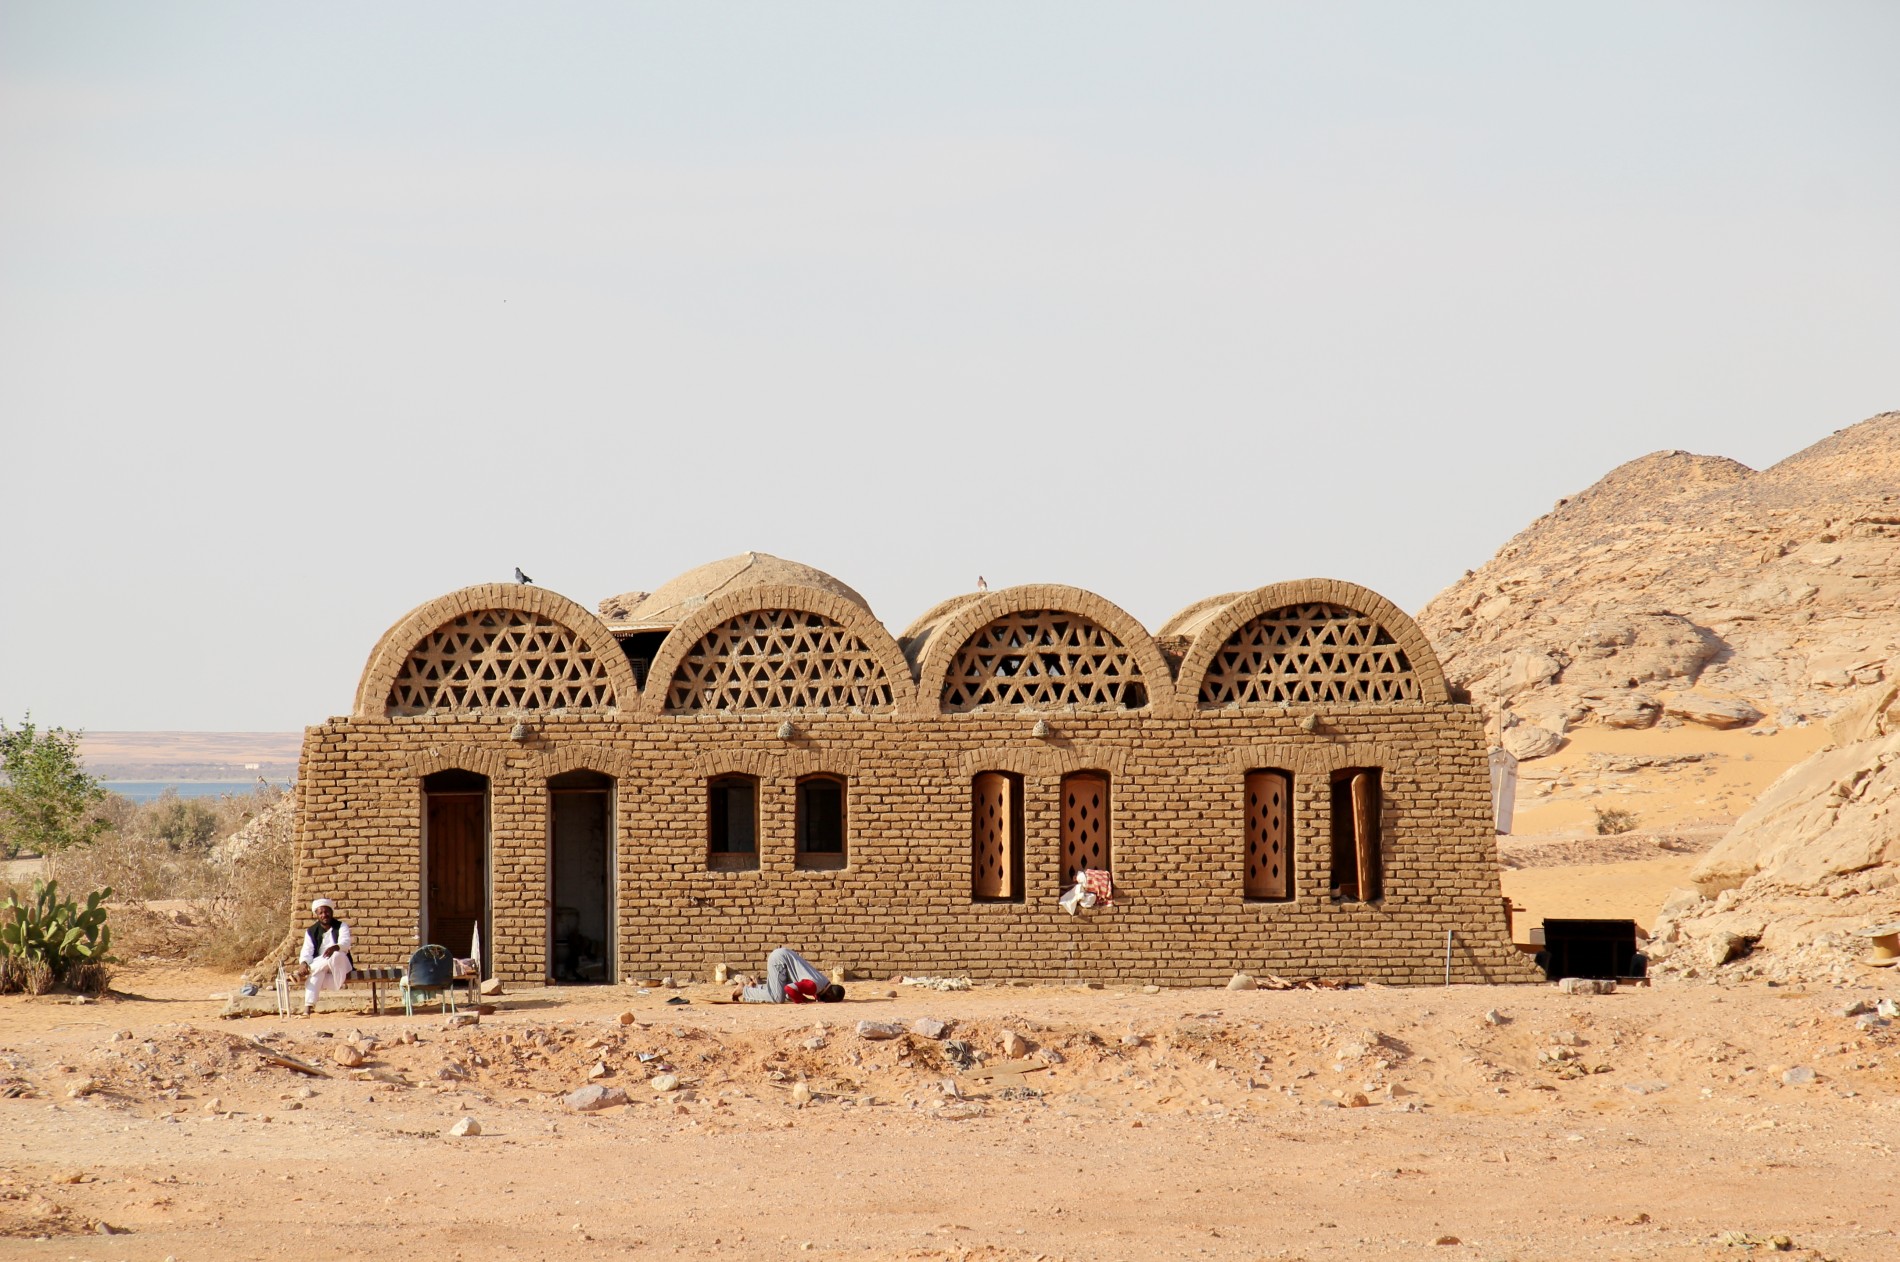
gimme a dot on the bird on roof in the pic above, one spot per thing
(982, 584)
(520, 577)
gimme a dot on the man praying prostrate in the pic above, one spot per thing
(790, 978)
(326, 953)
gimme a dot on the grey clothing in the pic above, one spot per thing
(784, 967)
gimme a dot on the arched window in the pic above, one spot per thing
(732, 823)
(821, 822)
(500, 659)
(779, 659)
(1042, 659)
(996, 837)
(1085, 823)
(1268, 799)
(1305, 653)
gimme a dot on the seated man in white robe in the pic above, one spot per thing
(325, 955)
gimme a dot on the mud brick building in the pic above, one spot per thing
(1278, 781)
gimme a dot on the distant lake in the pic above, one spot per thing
(146, 790)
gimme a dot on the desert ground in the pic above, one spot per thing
(1675, 1121)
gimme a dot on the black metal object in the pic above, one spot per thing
(1590, 948)
(431, 968)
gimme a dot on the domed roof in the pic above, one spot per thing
(669, 605)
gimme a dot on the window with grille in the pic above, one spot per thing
(499, 659)
(1044, 659)
(1268, 800)
(821, 822)
(1309, 653)
(779, 659)
(996, 837)
(1085, 823)
(732, 823)
(1356, 867)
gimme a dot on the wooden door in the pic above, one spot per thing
(1269, 797)
(457, 824)
(1365, 831)
(991, 840)
(1084, 823)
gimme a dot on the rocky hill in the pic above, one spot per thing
(1688, 589)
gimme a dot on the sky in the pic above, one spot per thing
(311, 313)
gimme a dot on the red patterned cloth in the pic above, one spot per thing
(1096, 881)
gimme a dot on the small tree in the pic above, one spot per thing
(47, 801)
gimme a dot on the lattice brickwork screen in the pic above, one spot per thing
(992, 829)
(1084, 824)
(1269, 797)
(1309, 653)
(1043, 658)
(500, 659)
(778, 659)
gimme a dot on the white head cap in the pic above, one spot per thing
(321, 902)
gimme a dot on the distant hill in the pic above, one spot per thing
(1686, 588)
(191, 755)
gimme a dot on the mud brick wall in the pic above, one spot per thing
(903, 901)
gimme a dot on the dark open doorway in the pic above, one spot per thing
(455, 862)
(580, 877)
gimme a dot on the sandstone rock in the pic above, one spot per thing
(1522, 671)
(1493, 1017)
(664, 1083)
(801, 1095)
(961, 1111)
(348, 1055)
(1242, 981)
(591, 1099)
(1527, 741)
(626, 1018)
(930, 1028)
(1711, 711)
(1131, 1040)
(492, 987)
(1628, 710)
(461, 1020)
(467, 1126)
(816, 1043)
(1586, 986)
(1014, 1044)
(599, 1070)
(1798, 1076)
(878, 1031)
(84, 1087)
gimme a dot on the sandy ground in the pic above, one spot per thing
(1650, 1123)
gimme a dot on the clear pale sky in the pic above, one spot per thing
(309, 313)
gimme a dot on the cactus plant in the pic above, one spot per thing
(54, 935)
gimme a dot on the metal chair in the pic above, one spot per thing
(431, 978)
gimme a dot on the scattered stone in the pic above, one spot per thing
(1014, 1045)
(801, 1095)
(1567, 1038)
(1049, 1056)
(1645, 1088)
(664, 1083)
(1586, 986)
(1242, 981)
(467, 1126)
(877, 1031)
(1798, 1076)
(816, 1043)
(960, 1111)
(1493, 1017)
(1856, 1008)
(1447, 1240)
(214, 1105)
(461, 1020)
(1357, 1100)
(84, 1087)
(670, 982)
(1151, 990)
(626, 1018)
(1888, 1008)
(493, 987)
(930, 1028)
(599, 1070)
(1131, 1040)
(1527, 741)
(591, 1099)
